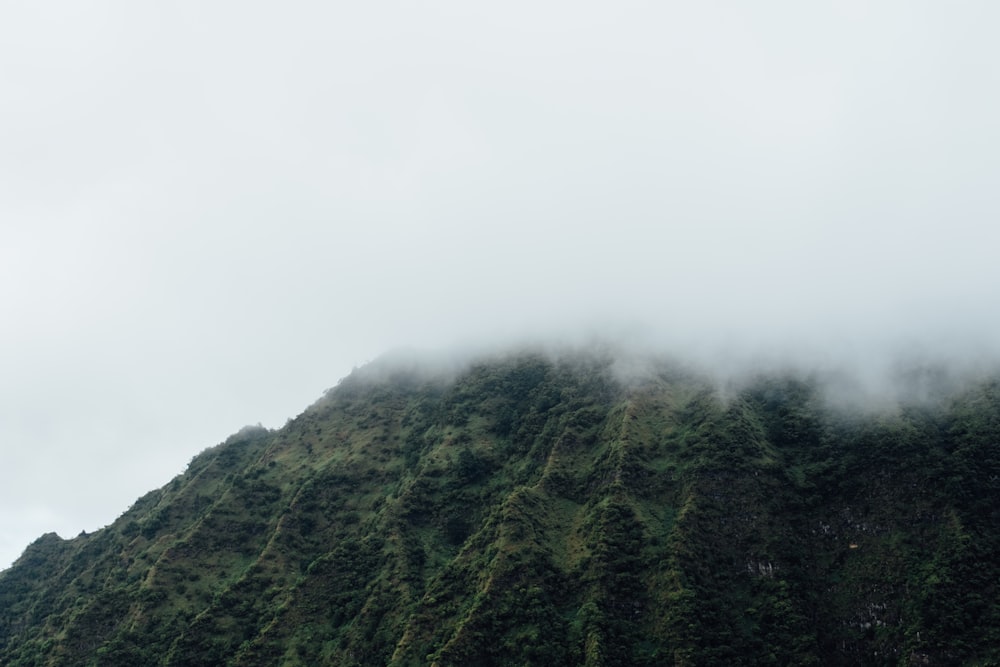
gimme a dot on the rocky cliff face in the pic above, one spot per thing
(539, 510)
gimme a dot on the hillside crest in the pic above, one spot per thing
(546, 509)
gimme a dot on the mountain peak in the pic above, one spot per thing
(545, 507)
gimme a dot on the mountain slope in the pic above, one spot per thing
(543, 510)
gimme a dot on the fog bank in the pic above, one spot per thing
(212, 212)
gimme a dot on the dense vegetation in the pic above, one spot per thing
(541, 510)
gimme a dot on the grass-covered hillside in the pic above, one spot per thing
(536, 510)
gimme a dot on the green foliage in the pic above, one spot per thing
(536, 510)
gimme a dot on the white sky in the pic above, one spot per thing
(211, 211)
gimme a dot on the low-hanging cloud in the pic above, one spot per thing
(211, 213)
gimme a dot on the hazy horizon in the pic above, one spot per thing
(210, 214)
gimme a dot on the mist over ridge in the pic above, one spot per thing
(554, 503)
(856, 374)
(195, 239)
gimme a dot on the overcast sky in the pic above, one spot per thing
(211, 211)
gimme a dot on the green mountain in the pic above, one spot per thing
(552, 510)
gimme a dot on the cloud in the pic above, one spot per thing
(213, 212)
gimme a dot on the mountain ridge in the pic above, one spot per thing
(534, 508)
